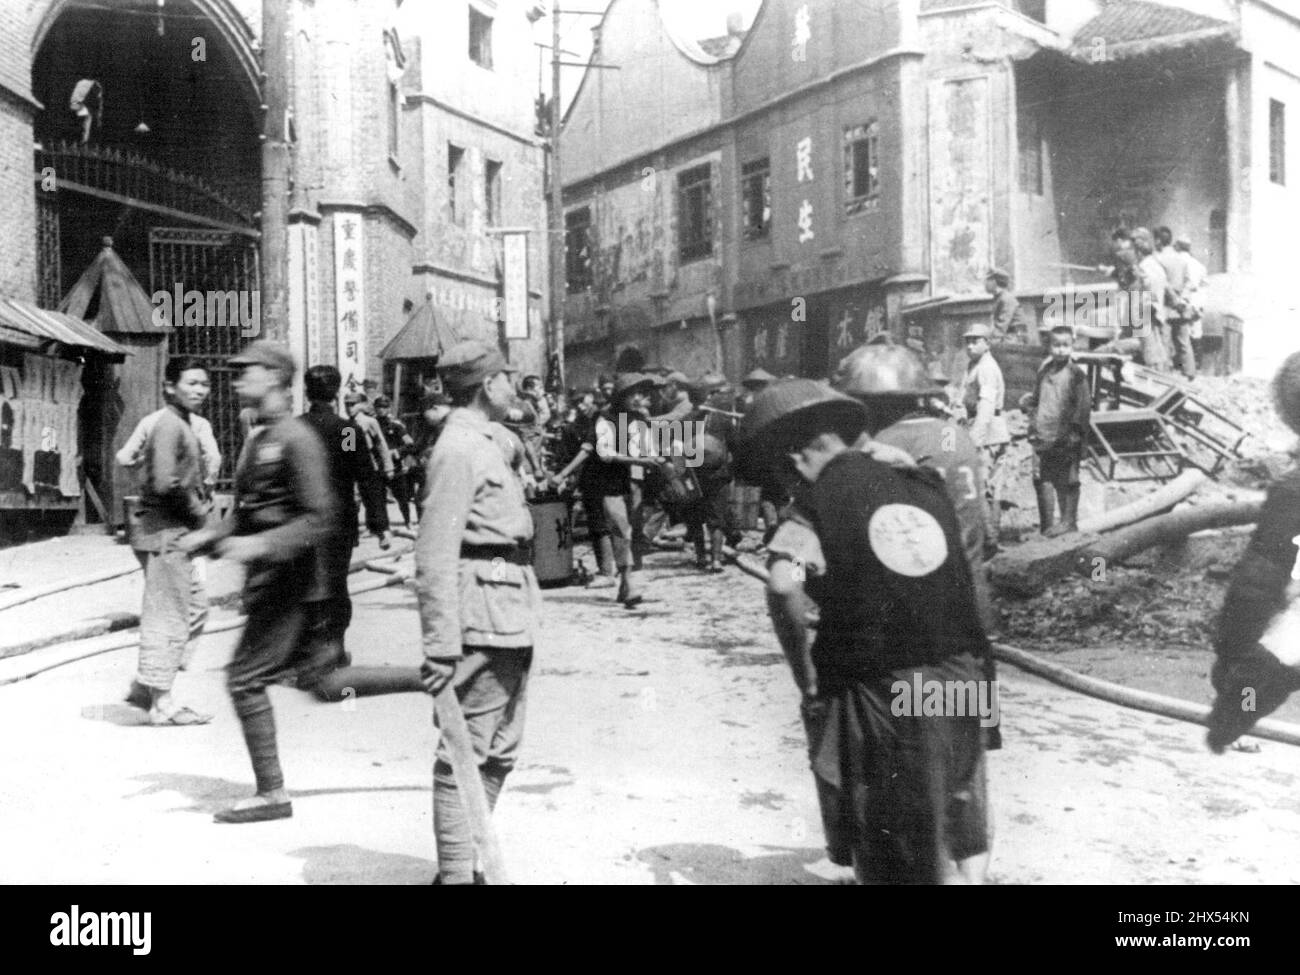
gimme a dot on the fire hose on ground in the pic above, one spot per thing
(1160, 704)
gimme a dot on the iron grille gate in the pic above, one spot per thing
(208, 261)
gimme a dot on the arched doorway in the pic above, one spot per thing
(169, 166)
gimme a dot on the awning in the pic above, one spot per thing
(420, 337)
(22, 323)
(123, 304)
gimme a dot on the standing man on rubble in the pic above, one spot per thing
(982, 393)
(478, 595)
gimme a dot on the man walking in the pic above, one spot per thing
(285, 510)
(374, 495)
(477, 592)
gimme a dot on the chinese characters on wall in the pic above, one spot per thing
(349, 305)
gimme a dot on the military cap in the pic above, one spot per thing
(272, 355)
(978, 331)
(757, 377)
(470, 363)
(1001, 277)
(676, 376)
(354, 396)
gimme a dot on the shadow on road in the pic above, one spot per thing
(351, 864)
(208, 794)
(708, 863)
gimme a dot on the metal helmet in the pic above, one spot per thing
(883, 370)
(788, 407)
(1286, 391)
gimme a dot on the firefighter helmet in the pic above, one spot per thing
(883, 370)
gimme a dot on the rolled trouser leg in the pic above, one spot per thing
(258, 723)
(198, 608)
(164, 617)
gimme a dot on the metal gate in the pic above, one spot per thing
(208, 261)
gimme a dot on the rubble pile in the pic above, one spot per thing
(1138, 608)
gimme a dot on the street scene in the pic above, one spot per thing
(842, 442)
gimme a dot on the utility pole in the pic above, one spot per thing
(559, 279)
(555, 224)
(275, 169)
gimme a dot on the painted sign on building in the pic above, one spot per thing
(515, 284)
(349, 297)
(961, 185)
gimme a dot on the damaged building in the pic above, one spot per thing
(777, 196)
(344, 184)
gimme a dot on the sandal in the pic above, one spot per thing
(181, 716)
(139, 696)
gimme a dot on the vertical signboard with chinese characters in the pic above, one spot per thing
(349, 297)
(515, 261)
(961, 185)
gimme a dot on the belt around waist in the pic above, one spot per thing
(516, 554)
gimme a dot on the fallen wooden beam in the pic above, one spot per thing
(1161, 499)
(1164, 530)
(1031, 567)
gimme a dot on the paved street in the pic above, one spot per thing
(663, 746)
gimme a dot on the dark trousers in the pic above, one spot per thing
(374, 496)
(400, 486)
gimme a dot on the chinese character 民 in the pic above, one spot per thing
(803, 160)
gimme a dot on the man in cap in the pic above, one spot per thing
(477, 592)
(284, 511)
(1010, 323)
(374, 493)
(711, 428)
(879, 550)
(771, 496)
(617, 455)
(982, 393)
(401, 450)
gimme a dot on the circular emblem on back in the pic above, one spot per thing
(907, 539)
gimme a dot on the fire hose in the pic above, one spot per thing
(1160, 704)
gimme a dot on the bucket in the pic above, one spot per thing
(552, 541)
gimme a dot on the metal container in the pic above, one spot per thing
(552, 540)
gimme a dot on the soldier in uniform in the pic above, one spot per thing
(477, 591)
(284, 512)
(878, 549)
(982, 393)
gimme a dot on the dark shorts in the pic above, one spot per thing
(1058, 465)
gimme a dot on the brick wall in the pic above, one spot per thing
(18, 225)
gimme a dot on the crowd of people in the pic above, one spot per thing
(876, 494)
